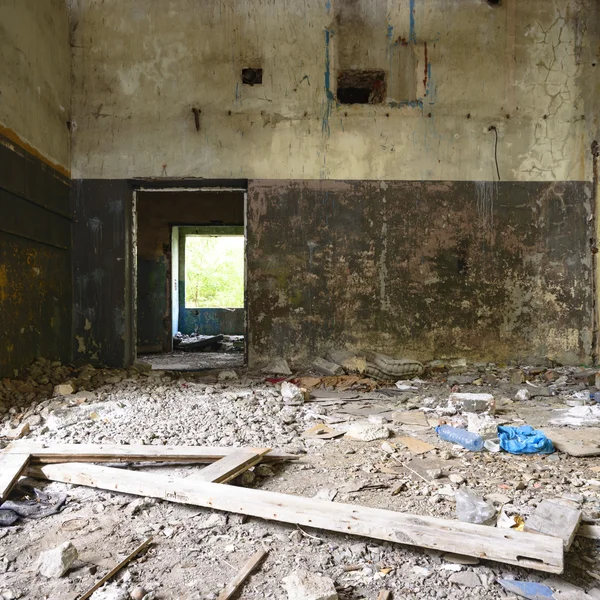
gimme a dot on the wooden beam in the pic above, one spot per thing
(234, 585)
(231, 466)
(384, 595)
(61, 453)
(116, 569)
(11, 467)
(529, 550)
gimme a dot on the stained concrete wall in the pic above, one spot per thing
(35, 77)
(485, 270)
(35, 207)
(454, 69)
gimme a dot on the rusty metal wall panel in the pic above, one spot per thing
(486, 270)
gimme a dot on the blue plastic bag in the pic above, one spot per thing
(527, 589)
(524, 440)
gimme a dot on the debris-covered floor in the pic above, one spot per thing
(196, 551)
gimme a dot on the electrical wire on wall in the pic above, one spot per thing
(493, 128)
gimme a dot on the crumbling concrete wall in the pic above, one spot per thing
(454, 69)
(492, 107)
(35, 208)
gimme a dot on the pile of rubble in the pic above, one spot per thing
(360, 440)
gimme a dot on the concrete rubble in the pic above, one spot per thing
(304, 585)
(56, 562)
(195, 550)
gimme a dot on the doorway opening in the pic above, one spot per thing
(191, 273)
(214, 271)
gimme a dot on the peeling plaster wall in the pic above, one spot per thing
(35, 78)
(454, 69)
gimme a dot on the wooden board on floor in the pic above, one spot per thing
(116, 569)
(529, 550)
(234, 585)
(231, 466)
(11, 467)
(580, 441)
(558, 520)
(61, 453)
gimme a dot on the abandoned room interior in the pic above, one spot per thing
(299, 299)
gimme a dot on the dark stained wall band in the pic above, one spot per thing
(35, 260)
(492, 271)
(102, 272)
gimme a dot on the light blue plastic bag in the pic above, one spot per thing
(524, 440)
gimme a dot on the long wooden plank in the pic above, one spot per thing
(231, 466)
(121, 453)
(234, 585)
(530, 550)
(11, 467)
(116, 569)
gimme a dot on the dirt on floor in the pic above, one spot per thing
(193, 361)
(196, 551)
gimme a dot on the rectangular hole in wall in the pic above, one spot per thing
(361, 86)
(252, 76)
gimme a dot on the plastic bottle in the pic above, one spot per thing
(470, 441)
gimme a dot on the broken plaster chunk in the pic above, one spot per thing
(56, 562)
(367, 432)
(557, 520)
(278, 366)
(18, 432)
(468, 579)
(63, 417)
(304, 585)
(483, 425)
(63, 389)
(225, 375)
(469, 402)
(112, 591)
(522, 395)
(292, 394)
(326, 367)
